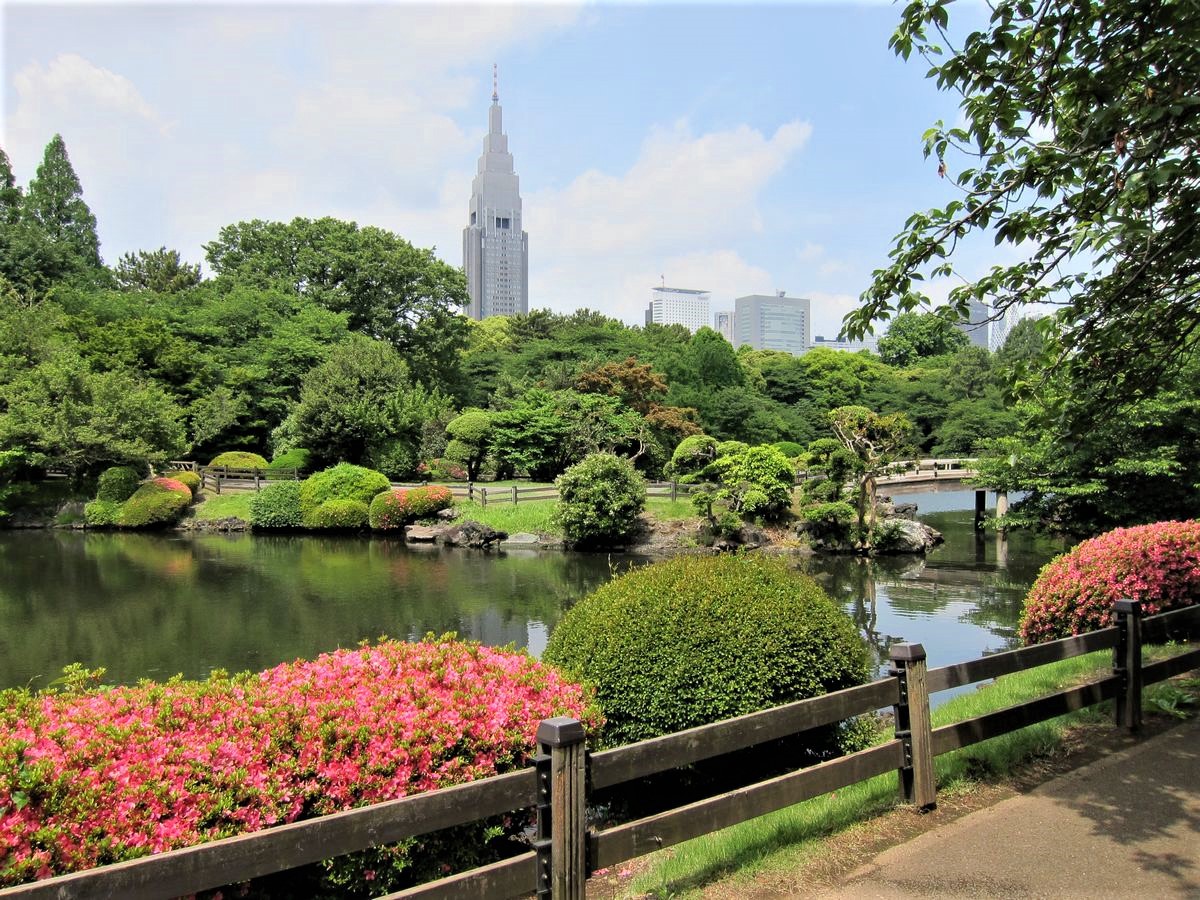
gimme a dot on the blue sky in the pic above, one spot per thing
(734, 148)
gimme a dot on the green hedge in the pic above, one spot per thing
(153, 504)
(239, 459)
(191, 479)
(277, 505)
(338, 514)
(297, 458)
(600, 500)
(342, 482)
(693, 640)
(102, 513)
(118, 483)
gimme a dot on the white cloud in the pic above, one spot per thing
(675, 213)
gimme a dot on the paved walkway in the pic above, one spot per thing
(1126, 826)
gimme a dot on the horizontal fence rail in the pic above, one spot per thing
(558, 784)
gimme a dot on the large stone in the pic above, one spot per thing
(420, 534)
(470, 534)
(522, 539)
(906, 536)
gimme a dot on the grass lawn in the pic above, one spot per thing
(784, 840)
(234, 504)
(533, 516)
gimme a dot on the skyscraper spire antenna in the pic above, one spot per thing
(495, 84)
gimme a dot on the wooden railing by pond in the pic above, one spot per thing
(566, 851)
(486, 493)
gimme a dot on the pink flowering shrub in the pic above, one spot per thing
(175, 484)
(425, 501)
(92, 776)
(1157, 564)
(392, 510)
(389, 510)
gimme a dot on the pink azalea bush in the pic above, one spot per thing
(90, 776)
(392, 510)
(1157, 564)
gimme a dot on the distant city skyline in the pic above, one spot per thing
(715, 152)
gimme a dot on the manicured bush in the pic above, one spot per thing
(790, 449)
(100, 513)
(441, 470)
(342, 482)
(429, 500)
(600, 500)
(239, 459)
(338, 514)
(191, 479)
(94, 776)
(693, 640)
(728, 448)
(1157, 564)
(756, 481)
(691, 455)
(277, 505)
(389, 510)
(296, 458)
(117, 483)
(833, 520)
(155, 503)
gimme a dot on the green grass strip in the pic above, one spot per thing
(224, 506)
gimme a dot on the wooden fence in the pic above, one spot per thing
(566, 850)
(485, 494)
(218, 476)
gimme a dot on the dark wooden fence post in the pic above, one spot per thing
(1127, 664)
(913, 726)
(514, 493)
(256, 475)
(561, 828)
(483, 496)
(674, 490)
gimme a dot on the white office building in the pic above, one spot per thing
(495, 248)
(773, 323)
(678, 306)
(976, 324)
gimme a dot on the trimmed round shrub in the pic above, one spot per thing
(1157, 564)
(342, 482)
(728, 448)
(191, 479)
(154, 504)
(101, 513)
(294, 459)
(691, 455)
(600, 500)
(389, 510)
(694, 639)
(790, 449)
(239, 459)
(338, 514)
(756, 481)
(118, 483)
(429, 500)
(277, 505)
(108, 774)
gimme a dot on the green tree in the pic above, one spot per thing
(1078, 135)
(387, 288)
(54, 204)
(470, 440)
(72, 418)
(360, 406)
(10, 193)
(159, 270)
(915, 336)
(876, 441)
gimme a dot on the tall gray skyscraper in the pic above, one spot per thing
(495, 248)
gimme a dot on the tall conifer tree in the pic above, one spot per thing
(55, 205)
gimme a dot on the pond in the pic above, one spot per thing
(150, 606)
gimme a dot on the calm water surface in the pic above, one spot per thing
(154, 605)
